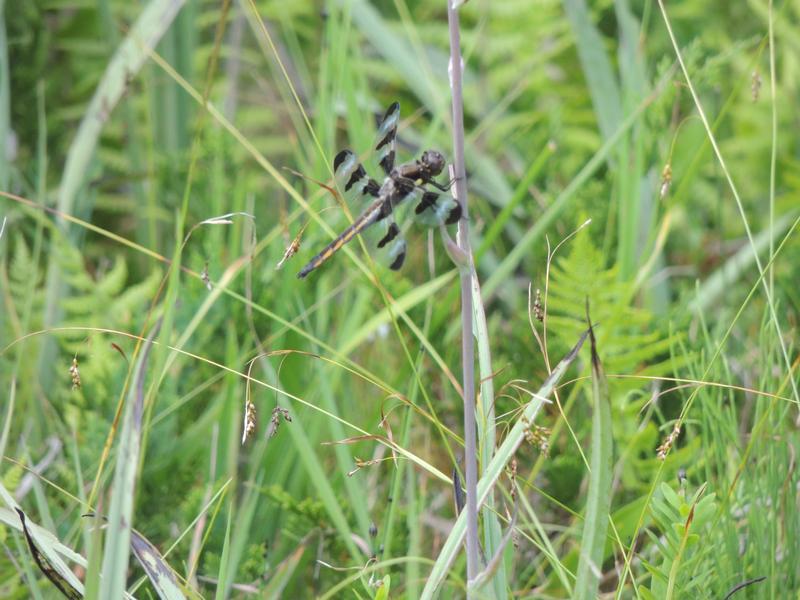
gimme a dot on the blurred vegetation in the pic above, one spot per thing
(574, 111)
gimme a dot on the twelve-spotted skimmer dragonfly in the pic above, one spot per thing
(402, 183)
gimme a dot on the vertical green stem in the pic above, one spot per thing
(467, 340)
(774, 153)
(5, 96)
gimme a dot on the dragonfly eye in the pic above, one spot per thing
(434, 161)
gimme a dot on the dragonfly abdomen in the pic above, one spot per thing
(367, 218)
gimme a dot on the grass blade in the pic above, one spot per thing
(45, 541)
(223, 577)
(9, 414)
(718, 283)
(152, 23)
(599, 495)
(397, 51)
(5, 91)
(120, 516)
(522, 249)
(161, 575)
(603, 87)
(487, 429)
(65, 585)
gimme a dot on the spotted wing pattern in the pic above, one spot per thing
(395, 191)
(436, 209)
(385, 138)
(352, 179)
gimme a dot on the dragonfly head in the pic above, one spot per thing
(433, 161)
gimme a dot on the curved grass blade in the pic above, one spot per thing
(495, 468)
(158, 571)
(58, 576)
(47, 543)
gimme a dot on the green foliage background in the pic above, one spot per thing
(573, 111)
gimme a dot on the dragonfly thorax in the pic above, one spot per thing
(396, 187)
(428, 166)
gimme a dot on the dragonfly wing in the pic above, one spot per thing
(437, 209)
(385, 138)
(395, 243)
(401, 193)
(352, 179)
(387, 245)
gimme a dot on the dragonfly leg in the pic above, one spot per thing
(443, 188)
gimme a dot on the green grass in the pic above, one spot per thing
(144, 147)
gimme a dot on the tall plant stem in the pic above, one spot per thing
(467, 339)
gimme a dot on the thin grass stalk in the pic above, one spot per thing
(774, 151)
(5, 95)
(467, 341)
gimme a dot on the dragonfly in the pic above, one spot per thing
(403, 185)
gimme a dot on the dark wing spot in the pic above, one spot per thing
(393, 107)
(398, 262)
(386, 210)
(455, 214)
(372, 188)
(388, 162)
(357, 175)
(340, 158)
(386, 140)
(428, 200)
(390, 235)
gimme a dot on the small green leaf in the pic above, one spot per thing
(383, 590)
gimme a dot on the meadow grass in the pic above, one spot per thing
(185, 418)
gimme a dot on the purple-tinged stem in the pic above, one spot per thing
(467, 339)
